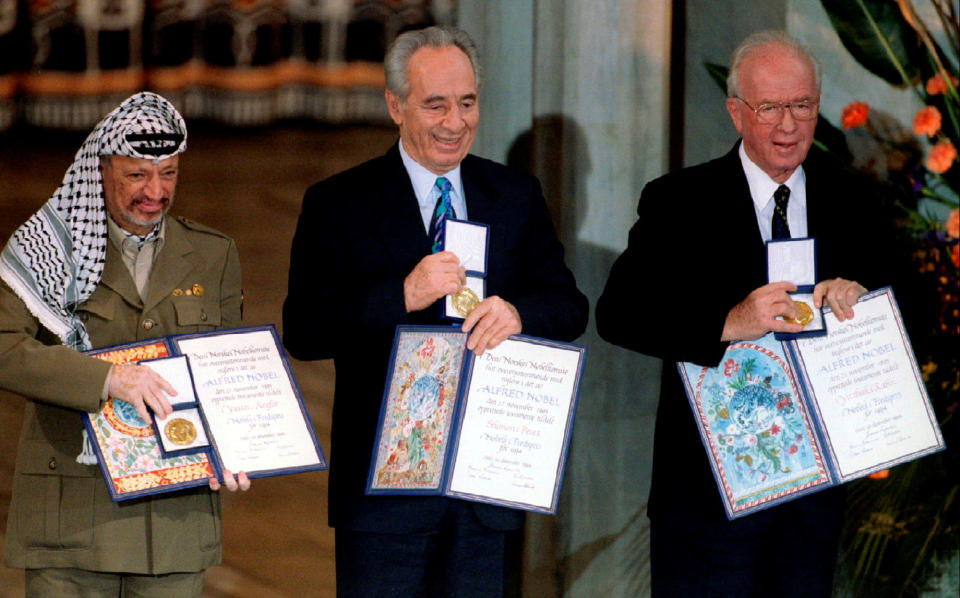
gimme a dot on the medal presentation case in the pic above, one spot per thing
(184, 431)
(237, 407)
(469, 242)
(795, 260)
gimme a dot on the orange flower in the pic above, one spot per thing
(937, 85)
(927, 121)
(941, 157)
(953, 223)
(855, 115)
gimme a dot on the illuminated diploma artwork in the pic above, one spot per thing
(783, 419)
(237, 407)
(492, 428)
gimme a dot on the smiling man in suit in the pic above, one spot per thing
(362, 262)
(697, 253)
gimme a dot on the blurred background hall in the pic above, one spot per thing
(595, 98)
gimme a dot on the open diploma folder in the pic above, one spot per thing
(493, 428)
(780, 420)
(236, 390)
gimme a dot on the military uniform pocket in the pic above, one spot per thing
(101, 306)
(55, 497)
(195, 314)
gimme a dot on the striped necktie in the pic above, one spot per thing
(442, 211)
(780, 229)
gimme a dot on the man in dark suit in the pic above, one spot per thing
(362, 263)
(693, 278)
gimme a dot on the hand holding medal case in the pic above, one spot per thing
(781, 419)
(468, 241)
(184, 431)
(795, 260)
(237, 407)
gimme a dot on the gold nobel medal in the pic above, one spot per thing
(180, 431)
(464, 301)
(805, 317)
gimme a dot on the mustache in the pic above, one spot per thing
(141, 198)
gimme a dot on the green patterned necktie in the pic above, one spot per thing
(442, 211)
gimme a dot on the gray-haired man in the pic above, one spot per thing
(362, 263)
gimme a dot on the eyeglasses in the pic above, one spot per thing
(772, 112)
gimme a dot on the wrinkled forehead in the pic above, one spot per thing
(127, 163)
(773, 78)
(774, 61)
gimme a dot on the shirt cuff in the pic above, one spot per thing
(105, 393)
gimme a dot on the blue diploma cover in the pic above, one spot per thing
(493, 428)
(783, 419)
(237, 407)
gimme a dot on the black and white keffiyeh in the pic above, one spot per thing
(55, 260)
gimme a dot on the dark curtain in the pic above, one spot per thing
(65, 63)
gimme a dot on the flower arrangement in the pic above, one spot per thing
(930, 208)
(902, 531)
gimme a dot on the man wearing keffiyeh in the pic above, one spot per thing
(100, 264)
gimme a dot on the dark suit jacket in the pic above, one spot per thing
(694, 253)
(360, 233)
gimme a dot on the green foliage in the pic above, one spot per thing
(876, 34)
(718, 73)
(902, 529)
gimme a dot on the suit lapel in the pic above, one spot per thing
(739, 229)
(816, 215)
(480, 197)
(743, 215)
(396, 213)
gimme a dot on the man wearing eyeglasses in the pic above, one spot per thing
(698, 250)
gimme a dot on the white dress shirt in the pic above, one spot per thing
(425, 188)
(762, 188)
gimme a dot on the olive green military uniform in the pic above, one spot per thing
(61, 513)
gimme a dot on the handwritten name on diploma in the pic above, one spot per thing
(866, 386)
(514, 408)
(513, 430)
(244, 390)
(518, 472)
